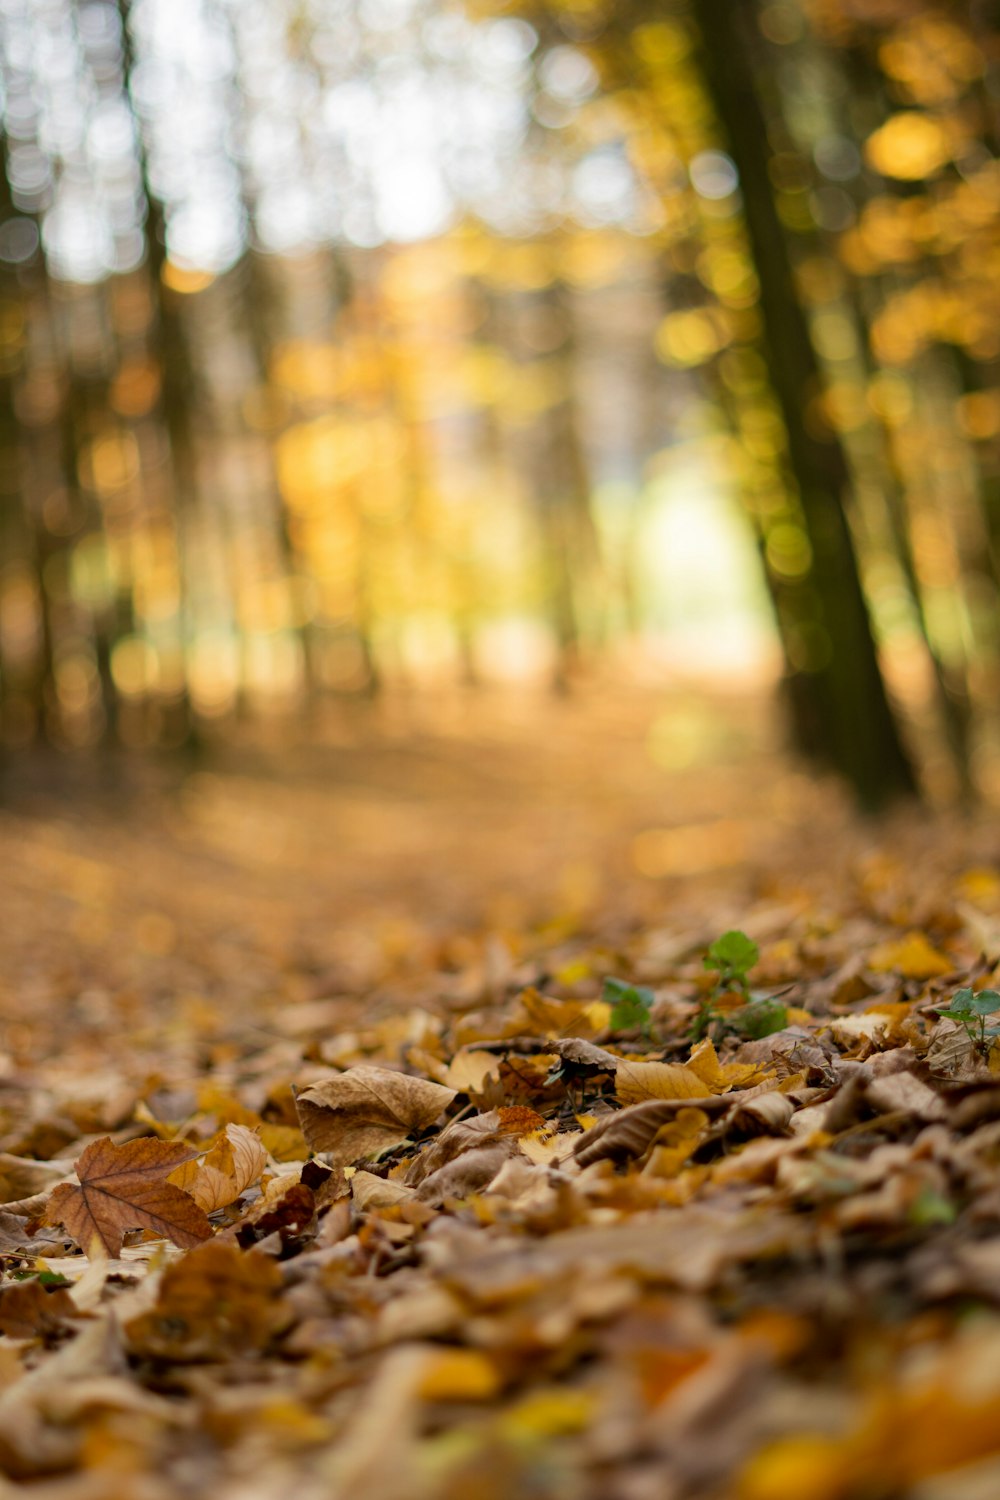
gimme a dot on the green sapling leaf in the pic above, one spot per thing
(761, 1018)
(630, 1005)
(732, 955)
(961, 1004)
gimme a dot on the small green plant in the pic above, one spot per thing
(971, 1010)
(631, 1005)
(731, 957)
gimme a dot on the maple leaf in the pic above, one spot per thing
(366, 1110)
(125, 1187)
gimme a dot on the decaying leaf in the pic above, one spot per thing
(125, 1187)
(286, 1208)
(458, 1137)
(366, 1110)
(639, 1081)
(30, 1309)
(217, 1300)
(218, 1178)
(468, 1173)
(631, 1131)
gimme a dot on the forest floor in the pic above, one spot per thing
(331, 1165)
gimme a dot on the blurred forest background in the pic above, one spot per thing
(350, 345)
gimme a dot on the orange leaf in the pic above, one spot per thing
(125, 1187)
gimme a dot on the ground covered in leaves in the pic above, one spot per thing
(332, 1163)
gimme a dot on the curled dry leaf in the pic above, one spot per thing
(458, 1137)
(369, 1191)
(631, 1131)
(367, 1110)
(125, 1187)
(767, 1114)
(219, 1177)
(469, 1173)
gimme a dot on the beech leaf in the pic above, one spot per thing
(125, 1187)
(366, 1110)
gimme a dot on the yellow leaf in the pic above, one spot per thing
(283, 1142)
(458, 1375)
(804, 1464)
(469, 1069)
(912, 956)
(718, 1077)
(548, 1413)
(635, 1081)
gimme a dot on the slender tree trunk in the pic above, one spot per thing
(846, 696)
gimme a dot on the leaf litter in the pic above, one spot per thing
(447, 1211)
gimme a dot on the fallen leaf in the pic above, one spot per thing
(217, 1300)
(469, 1069)
(369, 1191)
(630, 1132)
(719, 1077)
(456, 1138)
(28, 1310)
(637, 1081)
(913, 956)
(366, 1110)
(219, 1177)
(469, 1173)
(125, 1187)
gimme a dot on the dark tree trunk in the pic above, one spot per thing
(844, 696)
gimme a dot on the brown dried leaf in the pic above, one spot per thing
(371, 1192)
(219, 1177)
(628, 1133)
(217, 1300)
(125, 1187)
(366, 1110)
(22, 1177)
(287, 1208)
(766, 1114)
(28, 1310)
(468, 1173)
(456, 1138)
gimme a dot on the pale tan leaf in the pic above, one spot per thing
(366, 1110)
(219, 1177)
(469, 1070)
(369, 1191)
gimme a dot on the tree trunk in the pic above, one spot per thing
(844, 695)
